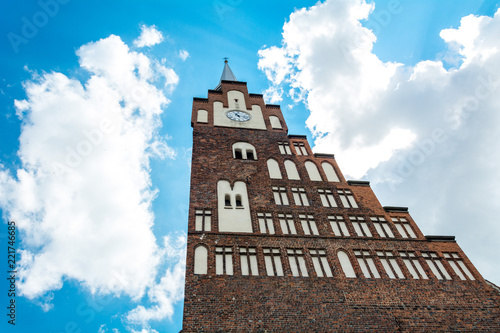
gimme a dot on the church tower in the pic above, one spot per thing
(279, 240)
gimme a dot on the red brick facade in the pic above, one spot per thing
(234, 302)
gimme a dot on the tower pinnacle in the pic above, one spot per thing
(227, 73)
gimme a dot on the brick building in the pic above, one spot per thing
(279, 240)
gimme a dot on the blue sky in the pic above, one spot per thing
(404, 93)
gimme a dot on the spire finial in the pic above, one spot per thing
(227, 73)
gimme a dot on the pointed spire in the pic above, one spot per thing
(227, 74)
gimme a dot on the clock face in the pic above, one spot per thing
(238, 115)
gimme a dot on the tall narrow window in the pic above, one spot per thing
(250, 155)
(346, 265)
(266, 225)
(308, 224)
(404, 227)
(382, 227)
(299, 196)
(238, 201)
(360, 226)
(203, 220)
(300, 148)
(287, 224)
(413, 265)
(274, 169)
(338, 225)
(458, 266)
(327, 199)
(223, 260)
(297, 262)
(390, 264)
(366, 263)
(284, 148)
(248, 258)
(200, 260)
(227, 201)
(347, 199)
(320, 263)
(238, 154)
(330, 173)
(291, 170)
(280, 196)
(436, 266)
(272, 258)
(312, 171)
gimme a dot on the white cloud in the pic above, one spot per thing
(82, 199)
(427, 133)
(149, 36)
(168, 291)
(183, 54)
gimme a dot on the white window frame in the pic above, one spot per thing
(390, 264)
(300, 196)
(284, 148)
(272, 260)
(203, 220)
(287, 224)
(413, 265)
(320, 263)
(327, 198)
(404, 227)
(300, 148)
(280, 196)
(458, 266)
(360, 226)
(248, 258)
(436, 266)
(266, 225)
(382, 227)
(367, 264)
(308, 224)
(347, 198)
(297, 262)
(339, 227)
(224, 260)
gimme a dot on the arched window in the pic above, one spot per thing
(200, 260)
(238, 201)
(331, 175)
(275, 122)
(312, 171)
(227, 200)
(202, 116)
(274, 169)
(244, 150)
(291, 170)
(346, 265)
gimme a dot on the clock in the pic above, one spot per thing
(238, 115)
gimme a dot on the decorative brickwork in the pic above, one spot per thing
(403, 293)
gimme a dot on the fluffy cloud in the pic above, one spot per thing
(169, 290)
(82, 199)
(149, 36)
(426, 132)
